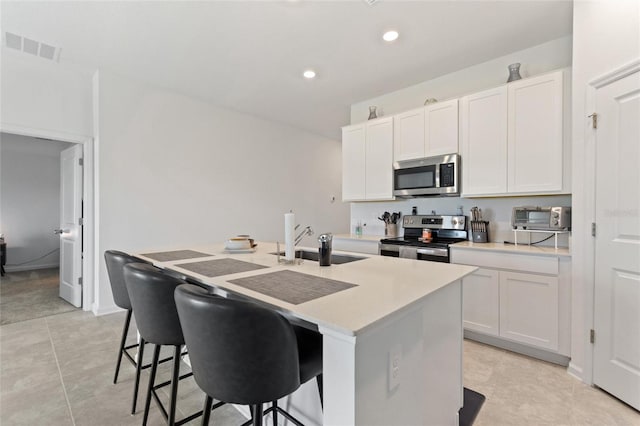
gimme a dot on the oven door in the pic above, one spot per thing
(391, 250)
(433, 255)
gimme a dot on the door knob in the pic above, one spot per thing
(60, 231)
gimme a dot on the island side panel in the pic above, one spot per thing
(359, 389)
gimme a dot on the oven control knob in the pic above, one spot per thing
(555, 221)
(454, 221)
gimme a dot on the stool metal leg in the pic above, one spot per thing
(275, 412)
(206, 412)
(174, 385)
(123, 340)
(152, 379)
(257, 415)
(136, 385)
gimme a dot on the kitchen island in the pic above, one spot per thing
(392, 337)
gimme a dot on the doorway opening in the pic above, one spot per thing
(32, 206)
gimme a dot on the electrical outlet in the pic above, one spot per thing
(395, 364)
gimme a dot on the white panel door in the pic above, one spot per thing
(481, 301)
(529, 309)
(535, 134)
(483, 142)
(617, 245)
(353, 163)
(379, 163)
(408, 140)
(441, 128)
(70, 229)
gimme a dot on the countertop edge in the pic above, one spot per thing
(511, 248)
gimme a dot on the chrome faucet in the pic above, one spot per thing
(306, 231)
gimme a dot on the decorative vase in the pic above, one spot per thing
(372, 112)
(514, 72)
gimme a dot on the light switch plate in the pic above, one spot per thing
(395, 364)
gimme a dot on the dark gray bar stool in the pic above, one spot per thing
(243, 353)
(151, 292)
(115, 261)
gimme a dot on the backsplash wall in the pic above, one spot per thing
(495, 210)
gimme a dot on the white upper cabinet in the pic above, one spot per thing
(379, 160)
(441, 128)
(513, 141)
(408, 139)
(353, 162)
(367, 161)
(535, 134)
(483, 142)
(427, 131)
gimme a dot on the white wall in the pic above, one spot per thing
(175, 172)
(546, 57)
(30, 200)
(606, 36)
(41, 94)
(535, 60)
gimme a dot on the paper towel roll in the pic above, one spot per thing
(289, 237)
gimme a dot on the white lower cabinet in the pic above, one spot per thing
(529, 309)
(517, 298)
(481, 298)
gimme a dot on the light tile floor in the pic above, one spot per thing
(58, 370)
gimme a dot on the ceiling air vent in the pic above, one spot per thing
(32, 47)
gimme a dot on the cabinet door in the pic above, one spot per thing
(484, 142)
(379, 159)
(529, 309)
(535, 134)
(481, 301)
(353, 163)
(408, 140)
(441, 128)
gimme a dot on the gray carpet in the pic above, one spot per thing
(33, 294)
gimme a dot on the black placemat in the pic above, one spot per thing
(170, 256)
(293, 287)
(218, 267)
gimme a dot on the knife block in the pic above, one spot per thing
(480, 231)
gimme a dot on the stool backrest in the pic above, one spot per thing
(115, 261)
(151, 293)
(240, 352)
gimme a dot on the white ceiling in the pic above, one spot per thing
(249, 56)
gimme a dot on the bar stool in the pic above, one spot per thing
(244, 353)
(151, 292)
(115, 261)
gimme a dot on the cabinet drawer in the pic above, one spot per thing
(518, 262)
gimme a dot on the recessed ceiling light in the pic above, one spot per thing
(390, 36)
(309, 74)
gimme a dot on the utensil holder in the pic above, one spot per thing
(480, 231)
(390, 230)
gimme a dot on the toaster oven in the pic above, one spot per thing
(541, 218)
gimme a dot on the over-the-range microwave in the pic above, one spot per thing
(435, 176)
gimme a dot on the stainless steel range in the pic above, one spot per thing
(444, 230)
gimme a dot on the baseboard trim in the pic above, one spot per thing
(518, 348)
(107, 310)
(576, 371)
(31, 267)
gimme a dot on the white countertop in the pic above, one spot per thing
(384, 284)
(512, 248)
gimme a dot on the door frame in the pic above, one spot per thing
(90, 236)
(590, 203)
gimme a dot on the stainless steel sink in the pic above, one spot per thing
(336, 259)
